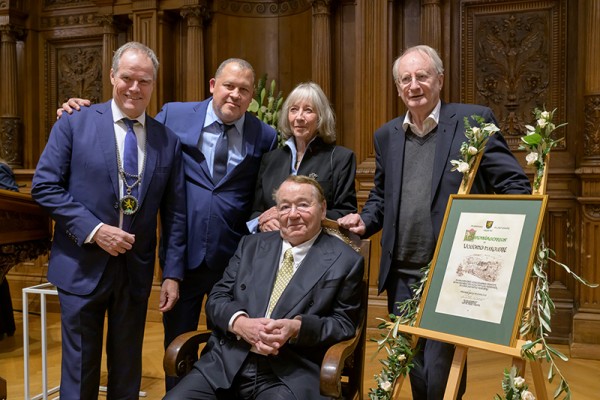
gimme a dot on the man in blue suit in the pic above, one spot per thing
(413, 182)
(104, 175)
(216, 210)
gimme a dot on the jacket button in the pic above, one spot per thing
(116, 205)
(311, 303)
(222, 342)
(243, 287)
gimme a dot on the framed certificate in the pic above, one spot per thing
(481, 267)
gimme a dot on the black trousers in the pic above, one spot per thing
(7, 319)
(254, 381)
(429, 376)
(184, 316)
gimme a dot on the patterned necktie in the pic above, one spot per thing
(130, 166)
(284, 275)
(221, 154)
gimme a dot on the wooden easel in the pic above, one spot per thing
(463, 344)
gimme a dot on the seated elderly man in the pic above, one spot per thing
(285, 297)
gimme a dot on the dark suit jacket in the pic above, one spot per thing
(7, 178)
(217, 214)
(499, 172)
(324, 291)
(332, 166)
(76, 180)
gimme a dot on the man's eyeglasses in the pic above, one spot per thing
(284, 209)
(407, 79)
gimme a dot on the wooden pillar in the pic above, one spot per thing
(146, 30)
(194, 79)
(586, 321)
(109, 46)
(321, 44)
(374, 96)
(11, 141)
(431, 24)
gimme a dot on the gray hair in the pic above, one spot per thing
(303, 180)
(312, 93)
(425, 50)
(243, 64)
(138, 48)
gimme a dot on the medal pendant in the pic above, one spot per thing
(129, 204)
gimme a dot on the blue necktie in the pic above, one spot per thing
(130, 166)
(221, 154)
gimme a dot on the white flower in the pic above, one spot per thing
(532, 158)
(519, 382)
(386, 386)
(545, 115)
(472, 150)
(401, 357)
(527, 395)
(476, 132)
(542, 122)
(462, 167)
(530, 129)
(491, 128)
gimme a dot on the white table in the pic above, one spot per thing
(42, 290)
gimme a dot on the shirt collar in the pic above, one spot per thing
(429, 124)
(118, 115)
(211, 118)
(300, 250)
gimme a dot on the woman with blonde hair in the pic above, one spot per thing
(308, 123)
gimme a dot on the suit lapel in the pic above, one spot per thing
(105, 132)
(152, 130)
(201, 112)
(263, 277)
(250, 137)
(396, 158)
(190, 139)
(447, 129)
(251, 134)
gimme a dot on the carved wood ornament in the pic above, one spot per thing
(512, 61)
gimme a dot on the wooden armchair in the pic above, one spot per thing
(343, 365)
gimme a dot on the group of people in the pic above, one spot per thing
(241, 226)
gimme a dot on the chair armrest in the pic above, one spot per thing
(183, 352)
(333, 365)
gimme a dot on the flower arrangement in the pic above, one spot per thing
(538, 142)
(477, 137)
(514, 387)
(270, 111)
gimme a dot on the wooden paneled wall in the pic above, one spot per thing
(511, 56)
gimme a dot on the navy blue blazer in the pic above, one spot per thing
(325, 291)
(217, 214)
(76, 181)
(499, 172)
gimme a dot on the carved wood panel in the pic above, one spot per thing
(73, 69)
(513, 60)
